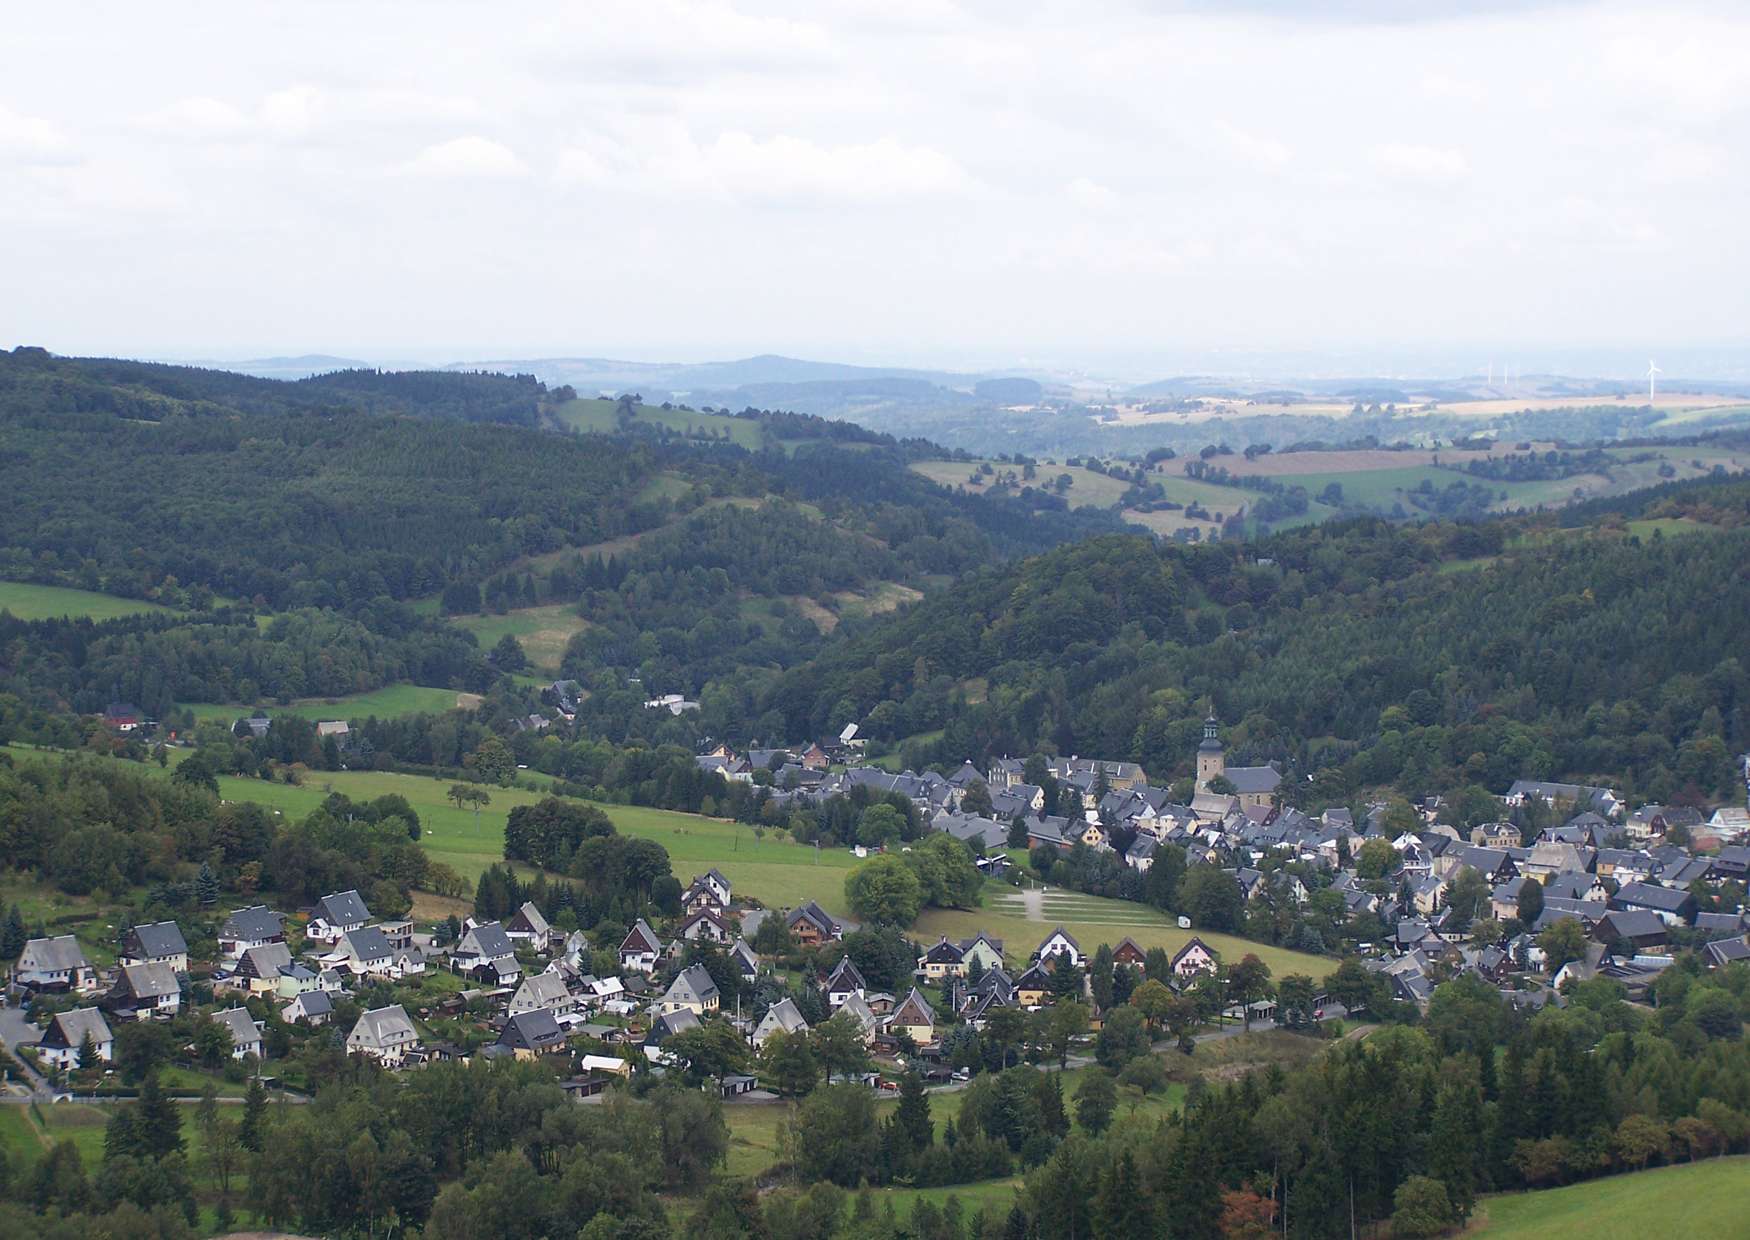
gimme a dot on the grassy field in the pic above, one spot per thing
(598, 417)
(542, 631)
(33, 602)
(1022, 920)
(384, 703)
(1694, 1199)
(25, 1140)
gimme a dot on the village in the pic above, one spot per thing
(715, 992)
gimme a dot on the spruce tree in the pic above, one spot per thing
(157, 1120)
(254, 1117)
(912, 1119)
(206, 886)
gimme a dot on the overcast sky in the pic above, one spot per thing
(904, 181)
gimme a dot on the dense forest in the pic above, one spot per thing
(1361, 653)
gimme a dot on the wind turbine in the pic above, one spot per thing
(1653, 372)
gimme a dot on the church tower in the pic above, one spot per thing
(1211, 760)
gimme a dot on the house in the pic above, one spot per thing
(55, 964)
(692, 990)
(161, 942)
(486, 949)
(1580, 796)
(337, 728)
(915, 1018)
(1730, 823)
(313, 1007)
(781, 1017)
(1723, 952)
(713, 878)
(1032, 987)
(666, 1026)
(640, 949)
(122, 716)
(142, 991)
(845, 983)
(527, 927)
(745, 960)
(943, 959)
(1637, 926)
(295, 979)
(1496, 835)
(384, 1034)
(245, 1033)
(545, 992)
(1059, 943)
(1141, 853)
(366, 950)
(532, 1033)
(1549, 857)
(1428, 895)
(1129, 952)
(702, 895)
(984, 950)
(335, 915)
(1195, 958)
(1674, 906)
(255, 926)
(705, 926)
(60, 1043)
(812, 925)
(259, 968)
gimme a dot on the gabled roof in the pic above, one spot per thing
(1190, 944)
(914, 1009)
(845, 977)
(491, 941)
(1632, 923)
(536, 1030)
(384, 1027)
(1253, 780)
(367, 943)
(542, 988)
(314, 1003)
(944, 952)
(148, 981)
(1650, 895)
(694, 981)
(812, 912)
(68, 1029)
(255, 922)
(265, 961)
(343, 908)
(1060, 933)
(640, 938)
(240, 1024)
(528, 918)
(160, 938)
(781, 1015)
(61, 954)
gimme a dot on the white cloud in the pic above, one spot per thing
(1090, 194)
(198, 118)
(1416, 162)
(1251, 148)
(469, 158)
(780, 168)
(32, 140)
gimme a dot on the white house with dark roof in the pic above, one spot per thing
(364, 951)
(526, 926)
(55, 964)
(384, 1034)
(245, 1033)
(914, 1017)
(1059, 943)
(1195, 958)
(640, 949)
(486, 947)
(312, 1007)
(692, 990)
(532, 1033)
(160, 942)
(254, 926)
(844, 982)
(259, 968)
(335, 915)
(142, 991)
(546, 991)
(60, 1043)
(782, 1017)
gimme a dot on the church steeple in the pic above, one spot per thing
(1211, 757)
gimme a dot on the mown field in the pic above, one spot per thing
(541, 631)
(1022, 921)
(384, 703)
(34, 602)
(1705, 1199)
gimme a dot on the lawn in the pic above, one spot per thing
(1694, 1199)
(25, 1139)
(599, 417)
(385, 703)
(543, 632)
(33, 602)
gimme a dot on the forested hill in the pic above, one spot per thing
(363, 494)
(1360, 653)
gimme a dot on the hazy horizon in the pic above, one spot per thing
(1118, 189)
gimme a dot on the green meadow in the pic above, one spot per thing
(599, 417)
(543, 632)
(384, 703)
(34, 602)
(1691, 1199)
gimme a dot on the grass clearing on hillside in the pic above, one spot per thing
(543, 632)
(385, 703)
(33, 602)
(1023, 919)
(1693, 1199)
(600, 417)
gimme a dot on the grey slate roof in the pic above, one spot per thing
(255, 922)
(343, 908)
(59, 954)
(160, 938)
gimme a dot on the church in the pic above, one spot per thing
(1254, 786)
